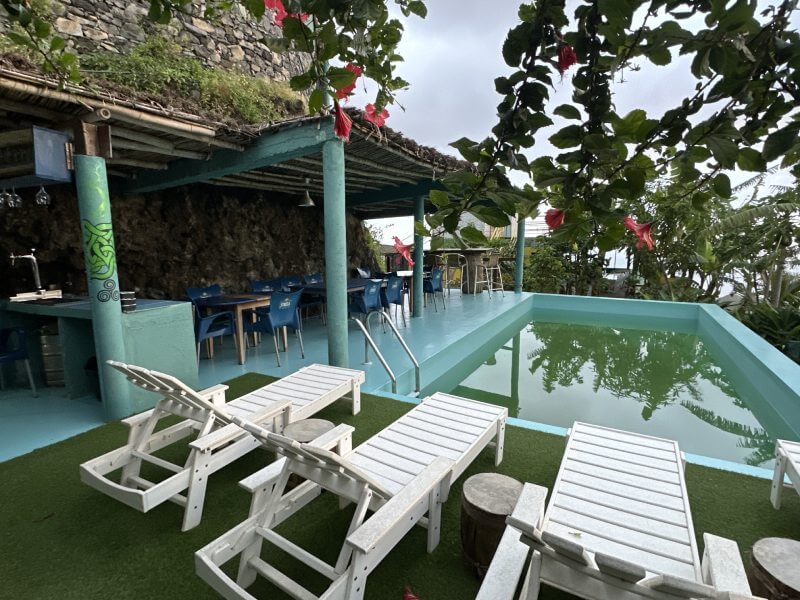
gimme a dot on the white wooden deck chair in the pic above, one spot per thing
(295, 397)
(402, 473)
(787, 462)
(617, 527)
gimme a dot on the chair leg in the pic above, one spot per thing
(777, 480)
(30, 377)
(300, 339)
(277, 352)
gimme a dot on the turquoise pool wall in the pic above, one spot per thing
(758, 370)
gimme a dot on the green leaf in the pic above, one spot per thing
(722, 185)
(418, 8)
(629, 124)
(491, 215)
(339, 77)
(439, 198)
(568, 137)
(301, 82)
(467, 148)
(255, 7)
(57, 44)
(437, 242)
(780, 141)
(724, 150)
(316, 101)
(751, 160)
(659, 56)
(420, 229)
(20, 39)
(41, 27)
(472, 236)
(567, 111)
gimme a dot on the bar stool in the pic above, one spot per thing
(453, 262)
(489, 269)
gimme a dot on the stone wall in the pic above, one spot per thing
(195, 235)
(232, 42)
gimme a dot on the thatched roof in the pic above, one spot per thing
(149, 135)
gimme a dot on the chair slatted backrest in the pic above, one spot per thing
(306, 454)
(572, 553)
(313, 279)
(177, 397)
(394, 290)
(283, 309)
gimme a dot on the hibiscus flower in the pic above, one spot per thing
(642, 231)
(378, 118)
(566, 58)
(280, 12)
(554, 218)
(342, 122)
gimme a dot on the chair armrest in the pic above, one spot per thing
(528, 513)
(134, 420)
(332, 438)
(722, 565)
(215, 393)
(223, 435)
(394, 515)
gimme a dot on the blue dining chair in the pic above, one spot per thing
(433, 286)
(310, 300)
(282, 313)
(14, 347)
(292, 281)
(369, 300)
(212, 326)
(394, 293)
(266, 286)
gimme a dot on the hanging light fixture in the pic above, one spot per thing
(14, 200)
(42, 197)
(4, 198)
(307, 201)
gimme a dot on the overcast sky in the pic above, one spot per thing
(451, 60)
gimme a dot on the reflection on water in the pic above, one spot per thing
(655, 382)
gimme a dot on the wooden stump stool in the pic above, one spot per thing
(776, 568)
(487, 499)
(304, 431)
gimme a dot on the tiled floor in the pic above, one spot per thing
(27, 423)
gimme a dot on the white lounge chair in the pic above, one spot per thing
(295, 397)
(618, 527)
(787, 462)
(402, 473)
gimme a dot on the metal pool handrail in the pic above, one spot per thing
(405, 347)
(368, 339)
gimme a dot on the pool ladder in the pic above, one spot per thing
(369, 342)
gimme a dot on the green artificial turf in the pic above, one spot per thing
(61, 539)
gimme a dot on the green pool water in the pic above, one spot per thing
(661, 383)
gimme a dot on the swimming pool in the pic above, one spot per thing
(654, 381)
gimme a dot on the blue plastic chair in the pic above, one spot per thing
(369, 300)
(394, 293)
(311, 300)
(282, 313)
(266, 286)
(212, 326)
(433, 286)
(14, 347)
(292, 281)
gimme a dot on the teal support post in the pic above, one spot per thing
(419, 257)
(335, 251)
(519, 264)
(100, 257)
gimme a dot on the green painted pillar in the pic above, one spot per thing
(335, 251)
(419, 257)
(519, 264)
(100, 257)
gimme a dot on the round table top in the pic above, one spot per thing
(492, 492)
(307, 430)
(779, 557)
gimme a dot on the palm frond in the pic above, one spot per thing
(745, 217)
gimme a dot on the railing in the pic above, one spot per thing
(369, 342)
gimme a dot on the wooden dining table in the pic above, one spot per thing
(237, 304)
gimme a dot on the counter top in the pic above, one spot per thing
(78, 309)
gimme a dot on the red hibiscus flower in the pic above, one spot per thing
(554, 218)
(409, 595)
(280, 12)
(642, 231)
(342, 122)
(566, 58)
(344, 92)
(379, 118)
(403, 250)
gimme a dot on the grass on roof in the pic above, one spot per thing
(61, 539)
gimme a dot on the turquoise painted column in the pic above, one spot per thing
(419, 256)
(519, 264)
(335, 251)
(100, 258)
